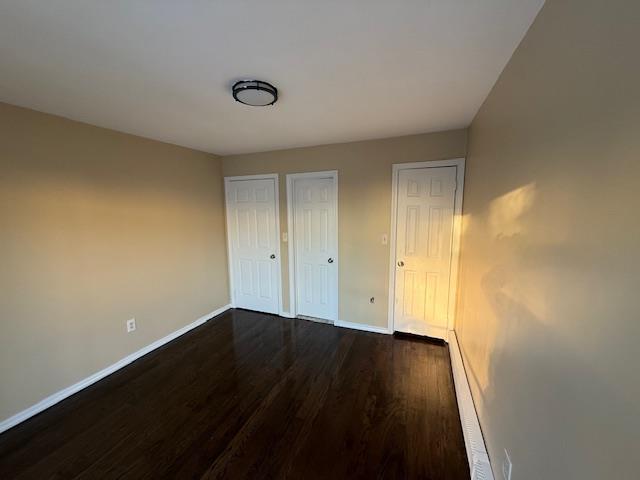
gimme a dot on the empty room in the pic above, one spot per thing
(357, 239)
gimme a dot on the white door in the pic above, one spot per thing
(253, 243)
(424, 233)
(315, 243)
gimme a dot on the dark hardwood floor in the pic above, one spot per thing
(254, 396)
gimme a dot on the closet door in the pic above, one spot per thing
(253, 243)
(424, 233)
(315, 240)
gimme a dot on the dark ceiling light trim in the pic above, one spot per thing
(255, 93)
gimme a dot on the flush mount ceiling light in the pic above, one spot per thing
(255, 93)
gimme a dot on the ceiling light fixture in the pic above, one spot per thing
(255, 93)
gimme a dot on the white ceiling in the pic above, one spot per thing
(346, 70)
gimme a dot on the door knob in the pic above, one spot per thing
(401, 263)
(330, 260)
(272, 256)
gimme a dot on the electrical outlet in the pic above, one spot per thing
(506, 466)
(131, 325)
(372, 300)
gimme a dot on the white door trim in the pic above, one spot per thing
(227, 181)
(291, 177)
(457, 229)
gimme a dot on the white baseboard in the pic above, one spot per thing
(361, 326)
(479, 463)
(76, 387)
(340, 323)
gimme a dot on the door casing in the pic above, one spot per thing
(459, 163)
(291, 178)
(227, 181)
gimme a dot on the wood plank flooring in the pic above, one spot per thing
(249, 395)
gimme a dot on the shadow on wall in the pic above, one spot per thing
(528, 369)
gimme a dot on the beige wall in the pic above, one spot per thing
(98, 227)
(364, 207)
(548, 314)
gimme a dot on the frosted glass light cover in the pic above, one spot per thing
(255, 93)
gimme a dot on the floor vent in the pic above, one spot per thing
(479, 463)
(314, 319)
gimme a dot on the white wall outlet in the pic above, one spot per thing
(385, 239)
(285, 236)
(131, 325)
(506, 466)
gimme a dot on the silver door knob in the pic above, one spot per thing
(272, 256)
(330, 260)
(401, 263)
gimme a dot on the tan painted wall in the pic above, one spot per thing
(364, 207)
(98, 227)
(548, 313)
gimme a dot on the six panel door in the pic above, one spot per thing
(425, 206)
(251, 220)
(316, 239)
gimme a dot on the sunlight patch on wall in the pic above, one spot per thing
(506, 211)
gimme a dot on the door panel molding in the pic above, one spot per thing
(291, 178)
(459, 163)
(230, 252)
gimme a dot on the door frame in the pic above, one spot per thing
(291, 178)
(459, 163)
(227, 181)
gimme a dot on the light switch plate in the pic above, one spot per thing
(131, 325)
(285, 237)
(385, 239)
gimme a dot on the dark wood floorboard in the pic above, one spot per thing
(255, 396)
